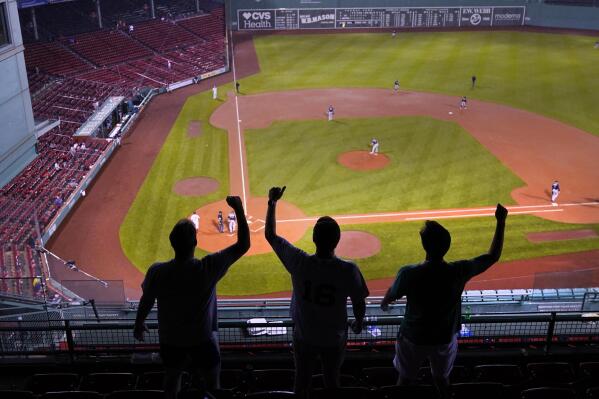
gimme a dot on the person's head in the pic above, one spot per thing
(183, 238)
(436, 240)
(326, 234)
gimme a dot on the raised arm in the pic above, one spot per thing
(497, 243)
(270, 230)
(243, 232)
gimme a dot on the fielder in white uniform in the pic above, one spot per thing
(232, 221)
(331, 112)
(214, 92)
(554, 192)
(374, 143)
(195, 219)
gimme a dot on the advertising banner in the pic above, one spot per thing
(508, 16)
(476, 16)
(316, 18)
(256, 19)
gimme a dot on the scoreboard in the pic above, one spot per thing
(390, 17)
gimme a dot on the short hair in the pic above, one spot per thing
(436, 240)
(183, 236)
(326, 234)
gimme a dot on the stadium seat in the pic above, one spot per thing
(72, 395)
(506, 374)
(343, 392)
(196, 394)
(592, 393)
(272, 380)
(548, 393)
(136, 394)
(477, 390)
(51, 382)
(345, 380)
(271, 395)
(232, 379)
(550, 374)
(379, 376)
(408, 391)
(108, 382)
(588, 374)
(458, 374)
(16, 395)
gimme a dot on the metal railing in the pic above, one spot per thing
(85, 337)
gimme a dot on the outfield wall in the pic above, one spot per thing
(340, 14)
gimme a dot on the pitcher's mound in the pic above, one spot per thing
(195, 186)
(357, 244)
(362, 160)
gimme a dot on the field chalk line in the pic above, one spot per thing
(450, 213)
(238, 126)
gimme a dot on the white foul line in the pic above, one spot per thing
(485, 214)
(440, 213)
(238, 125)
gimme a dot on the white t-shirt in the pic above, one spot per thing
(186, 295)
(195, 219)
(320, 291)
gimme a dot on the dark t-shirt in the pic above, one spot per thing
(433, 292)
(186, 295)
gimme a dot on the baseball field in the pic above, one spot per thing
(530, 119)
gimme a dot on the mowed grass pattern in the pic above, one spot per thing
(156, 209)
(549, 74)
(433, 164)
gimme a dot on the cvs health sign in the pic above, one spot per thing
(255, 19)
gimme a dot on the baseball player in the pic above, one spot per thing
(232, 221)
(473, 81)
(554, 192)
(374, 143)
(221, 225)
(396, 86)
(464, 103)
(195, 219)
(214, 92)
(331, 112)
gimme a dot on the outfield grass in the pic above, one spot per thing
(400, 245)
(549, 74)
(434, 164)
(144, 232)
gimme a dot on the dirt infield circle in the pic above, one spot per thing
(211, 240)
(362, 160)
(357, 245)
(195, 186)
